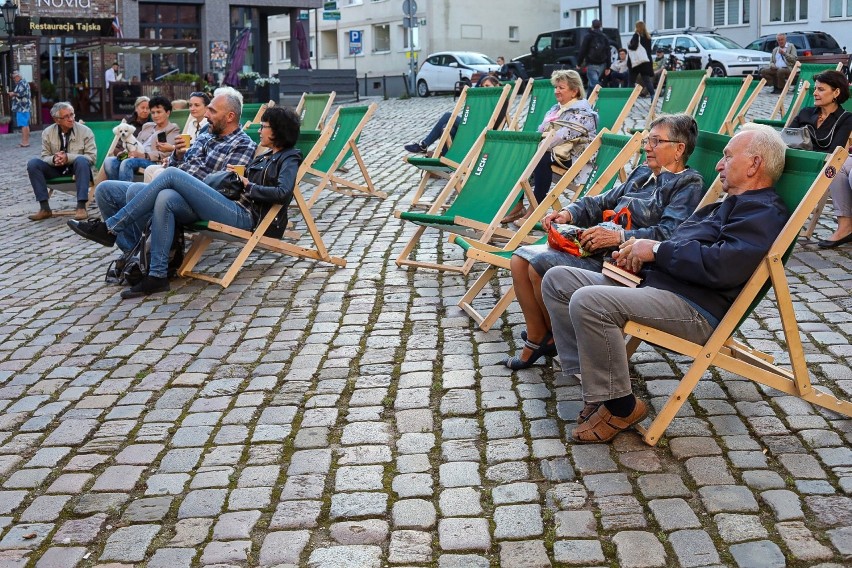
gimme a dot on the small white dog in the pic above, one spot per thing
(125, 135)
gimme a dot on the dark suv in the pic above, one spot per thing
(807, 43)
(560, 49)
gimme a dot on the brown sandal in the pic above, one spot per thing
(587, 412)
(602, 426)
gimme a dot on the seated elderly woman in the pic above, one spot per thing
(176, 198)
(575, 119)
(659, 195)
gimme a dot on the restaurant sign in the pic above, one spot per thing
(59, 26)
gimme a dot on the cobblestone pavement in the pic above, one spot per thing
(354, 417)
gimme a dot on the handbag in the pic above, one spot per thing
(799, 137)
(227, 183)
(564, 152)
(638, 56)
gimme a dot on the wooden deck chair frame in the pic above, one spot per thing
(798, 101)
(532, 103)
(797, 74)
(322, 179)
(722, 351)
(629, 102)
(727, 125)
(662, 86)
(778, 109)
(484, 252)
(517, 87)
(256, 239)
(521, 106)
(305, 101)
(447, 166)
(486, 230)
(745, 106)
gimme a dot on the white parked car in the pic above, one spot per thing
(441, 71)
(717, 52)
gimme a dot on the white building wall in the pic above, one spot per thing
(449, 25)
(818, 18)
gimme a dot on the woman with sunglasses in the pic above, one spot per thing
(659, 195)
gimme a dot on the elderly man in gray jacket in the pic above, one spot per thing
(780, 64)
(67, 147)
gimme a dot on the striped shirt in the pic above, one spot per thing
(210, 153)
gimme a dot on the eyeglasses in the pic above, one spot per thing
(66, 117)
(262, 126)
(654, 141)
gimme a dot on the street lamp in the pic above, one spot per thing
(9, 10)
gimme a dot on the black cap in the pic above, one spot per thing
(596, 24)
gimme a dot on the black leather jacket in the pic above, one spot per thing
(272, 178)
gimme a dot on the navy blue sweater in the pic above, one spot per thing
(711, 256)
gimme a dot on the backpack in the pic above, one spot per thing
(132, 266)
(599, 51)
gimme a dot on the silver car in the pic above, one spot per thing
(441, 71)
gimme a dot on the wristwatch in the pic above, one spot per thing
(655, 248)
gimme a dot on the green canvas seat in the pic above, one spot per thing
(179, 117)
(803, 72)
(720, 102)
(805, 179)
(803, 93)
(536, 100)
(680, 91)
(105, 141)
(752, 91)
(347, 124)
(612, 151)
(313, 109)
(477, 110)
(498, 168)
(250, 110)
(613, 105)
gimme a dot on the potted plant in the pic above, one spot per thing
(4, 124)
(267, 88)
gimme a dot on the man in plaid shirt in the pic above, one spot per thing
(220, 143)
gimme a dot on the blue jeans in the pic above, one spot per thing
(123, 170)
(176, 197)
(40, 171)
(542, 177)
(593, 74)
(111, 196)
(439, 127)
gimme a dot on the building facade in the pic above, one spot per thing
(499, 27)
(741, 20)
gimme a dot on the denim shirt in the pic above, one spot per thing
(657, 205)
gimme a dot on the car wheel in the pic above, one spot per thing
(717, 69)
(422, 88)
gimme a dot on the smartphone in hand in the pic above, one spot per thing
(161, 137)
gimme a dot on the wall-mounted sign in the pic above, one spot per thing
(74, 27)
(331, 15)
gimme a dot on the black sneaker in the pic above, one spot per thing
(148, 285)
(94, 230)
(416, 148)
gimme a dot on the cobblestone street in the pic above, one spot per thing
(310, 415)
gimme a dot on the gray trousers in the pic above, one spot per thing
(841, 191)
(588, 311)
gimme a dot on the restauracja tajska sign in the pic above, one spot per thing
(41, 26)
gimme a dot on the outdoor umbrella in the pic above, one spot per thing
(304, 50)
(236, 56)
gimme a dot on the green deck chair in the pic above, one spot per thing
(803, 97)
(313, 109)
(180, 118)
(613, 106)
(536, 100)
(751, 93)
(709, 149)
(348, 123)
(613, 153)
(680, 91)
(719, 103)
(499, 165)
(477, 109)
(250, 110)
(805, 179)
(105, 141)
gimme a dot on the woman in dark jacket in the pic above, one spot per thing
(176, 198)
(643, 71)
(830, 127)
(141, 114)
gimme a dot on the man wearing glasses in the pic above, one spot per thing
(67, 147)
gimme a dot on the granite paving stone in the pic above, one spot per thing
(638, 549)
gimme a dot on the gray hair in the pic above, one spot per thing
(59, 107)
(767, 143)
(571, 78)
(234, 99)
(139, 101)
(682, 128)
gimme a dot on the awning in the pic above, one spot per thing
(134, 49)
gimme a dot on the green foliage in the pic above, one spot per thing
(182, 78)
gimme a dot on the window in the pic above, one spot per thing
(328, 41)
(584, 17)
(381, 37)
(679, 13)
(410, 42)
(169, 21)
(840, 8)
(730, 12)
(283, 54)
(515, 34)
(684, 44)
(350, 2)
(788, 10)
(628, 15)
